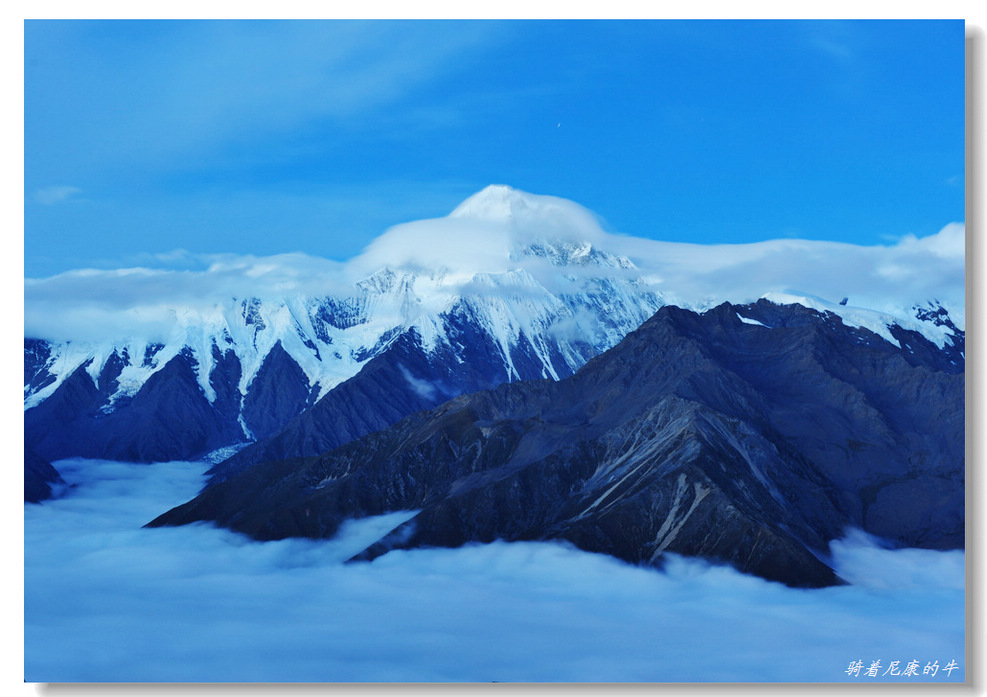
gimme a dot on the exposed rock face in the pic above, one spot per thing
(404, 378)
(298, 355)
(748, 434)
(280, 391)
(169, 418)
(243, 370)
(39, 475)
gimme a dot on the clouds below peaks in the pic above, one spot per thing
(107, 600)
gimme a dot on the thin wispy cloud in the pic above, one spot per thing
(840, 51)
(841, 42)
(196, 89)
(51, 195)
(258, 136)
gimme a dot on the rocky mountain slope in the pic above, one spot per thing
(748, 434)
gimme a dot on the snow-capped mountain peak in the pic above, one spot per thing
(489, 232)
(534, 279)
(496, 202)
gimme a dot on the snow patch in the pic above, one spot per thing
(876, 322)
(748, 320)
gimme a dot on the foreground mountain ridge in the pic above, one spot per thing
(751, 435)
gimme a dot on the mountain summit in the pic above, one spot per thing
(544, 216)
(495, 202)
(488, 233)
(439, 307)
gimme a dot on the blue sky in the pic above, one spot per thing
(146, 137)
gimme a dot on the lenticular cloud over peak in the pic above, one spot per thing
(501, 230)
(485, 233)
(531, 213)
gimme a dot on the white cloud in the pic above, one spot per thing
(106, 600)
(51, 195)
(948, 243)
(480, 234)
(885, 278)
(423, 387)
(450, 250)
(864, 561)
(193, 88)
(99, 305)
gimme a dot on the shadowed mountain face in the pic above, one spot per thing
(246, 370)
(291, 356)
(169, 418)
(748, 434)
(402, 379)
(190, 404)
(39, 476)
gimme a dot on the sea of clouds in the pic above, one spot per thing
(107, 600)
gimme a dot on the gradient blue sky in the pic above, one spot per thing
(146, 137)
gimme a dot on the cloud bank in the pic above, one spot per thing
(488, 234)
(106, 600)
(98, 305)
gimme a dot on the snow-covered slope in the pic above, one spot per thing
(517, 289)
(533, 275)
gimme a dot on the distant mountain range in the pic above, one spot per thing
(780, 391)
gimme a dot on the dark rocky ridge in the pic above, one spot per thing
(698, 434)
(280, 391)
(39, 476)
(169, 418)
(402, 379)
